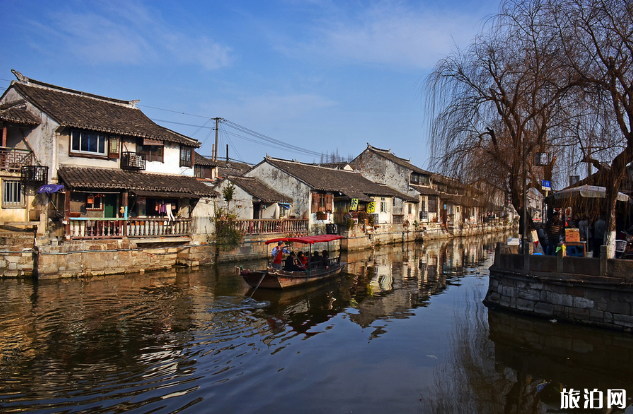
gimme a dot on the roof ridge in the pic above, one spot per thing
(12, 104)
(23, 80)
(308, 164)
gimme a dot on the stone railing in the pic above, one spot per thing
(266, 226)
(97, 228)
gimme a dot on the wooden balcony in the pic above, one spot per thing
(13, 159)
(132, 161)
(97, 228)
(264, 226)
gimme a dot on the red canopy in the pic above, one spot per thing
(307, 239)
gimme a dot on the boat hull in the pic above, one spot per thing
(281, 279)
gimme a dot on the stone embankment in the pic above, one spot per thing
(588, 291)
(16, 254)
(24, 255)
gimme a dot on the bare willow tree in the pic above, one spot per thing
(493, 105)
(597, 45)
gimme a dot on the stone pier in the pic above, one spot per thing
(582, 290)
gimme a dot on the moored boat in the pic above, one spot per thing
(271, 278)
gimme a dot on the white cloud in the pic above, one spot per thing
(388, 33)
(128, 33)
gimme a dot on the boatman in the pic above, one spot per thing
(276, 254)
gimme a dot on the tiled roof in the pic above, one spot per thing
(397, 160)
(388, 191)
(259, 190)
(451, 182)
(202, 160)
(97, 113)
(102, 178)
(423, 190)
(231, 168)
(16, 112)
(352, 184)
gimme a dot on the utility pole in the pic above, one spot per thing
(215, 155)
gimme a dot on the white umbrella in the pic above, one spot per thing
(586, 191)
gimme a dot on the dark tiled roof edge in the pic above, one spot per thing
(104, 178)
(47, 97)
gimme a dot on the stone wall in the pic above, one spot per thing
(103, 257)
(360, 238)
(16, 254)
(569, 289)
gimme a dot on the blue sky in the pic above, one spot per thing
(322, 75)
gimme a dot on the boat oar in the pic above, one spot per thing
(258, 283)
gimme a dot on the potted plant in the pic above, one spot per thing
(350, 223)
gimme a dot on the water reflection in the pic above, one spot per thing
(500, 362)
(403, 330)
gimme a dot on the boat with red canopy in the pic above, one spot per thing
(271, 278)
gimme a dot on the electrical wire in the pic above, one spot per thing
(268, 139)
(169, 110)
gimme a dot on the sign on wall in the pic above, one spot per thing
(371, 207)
(353, 205)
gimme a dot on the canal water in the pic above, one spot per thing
(403, 332)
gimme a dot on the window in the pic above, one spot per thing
(432, 205)
(150, 152)
(393, 201)
(410, 208)
(114, 147)
(94, 202)
(383, 205)
(322, 202)
(87, 142)
(12, 194)
(186, 156)
(423, 205)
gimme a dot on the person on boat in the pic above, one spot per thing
(276, 254)
(315, 260)
(325, 258)
(303, 259)
(292, 263)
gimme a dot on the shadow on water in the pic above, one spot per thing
(500, 362)
(404, 330)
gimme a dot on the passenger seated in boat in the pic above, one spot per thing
(325, 260)
(315, 260)
(292, 264)
(303, 259)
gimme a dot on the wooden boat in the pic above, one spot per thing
(270, 278)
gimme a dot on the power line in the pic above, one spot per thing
(181, 123)
(268, 139)
(175, 112)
